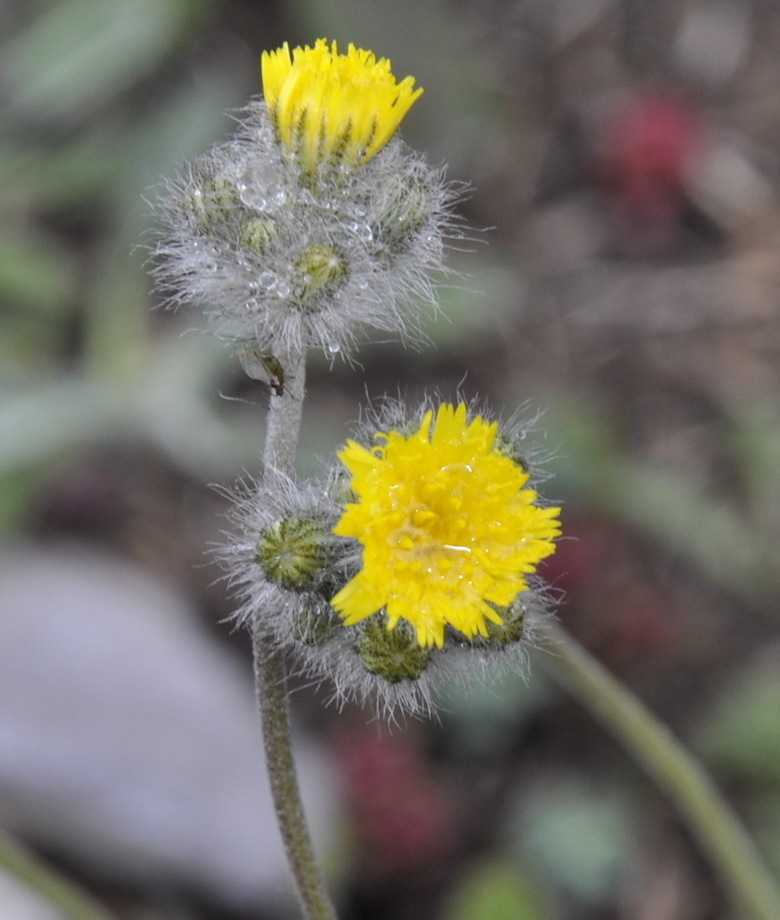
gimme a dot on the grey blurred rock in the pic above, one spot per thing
(18, 903)
(128, 737)
(714, 40)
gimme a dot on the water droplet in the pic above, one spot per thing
(361, 230)
(255, 200)
(334, 348)
(251, 192)
(269, 280)
(251, 305)
(283, 289)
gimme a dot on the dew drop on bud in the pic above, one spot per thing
(268, 280)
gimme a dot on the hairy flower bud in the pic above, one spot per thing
(413, 561)
(404, 205)
(292, 552)
(320, 269)
(258, 234)
(511, 629)
(315, 622)
(392, 654)
(210, 203)
(302, 243)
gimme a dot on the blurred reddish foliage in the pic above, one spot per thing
(401, 811)
(643, 163)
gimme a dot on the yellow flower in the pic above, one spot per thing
(449, 530)
(333, 107)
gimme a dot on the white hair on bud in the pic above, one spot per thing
(238, 223)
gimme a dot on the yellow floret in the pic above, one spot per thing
(331, 107)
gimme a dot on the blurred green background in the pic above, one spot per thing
(624, 158)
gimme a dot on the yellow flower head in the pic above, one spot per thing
(330, 107)
(449, 530)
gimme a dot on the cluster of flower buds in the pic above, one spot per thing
(316, 219)
(413, 560)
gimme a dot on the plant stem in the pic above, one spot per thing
(284, 417)
(70, 900)
(274, 713)
(714, 823)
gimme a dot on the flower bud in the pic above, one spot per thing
(291, 552)
(511, 629)
(405, 208)
(316, 220)
(211, 202)
(320, 269)
(257, 234)
(314, 622)
(392, 654)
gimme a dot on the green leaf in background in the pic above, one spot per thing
(754, 441)
(18, 492)
(34, 273)
(37, 282)
(740, 733)
(117, 305)
(765, 813)
(579, 836)
(77, 54)
(60, 177)
(495, 890)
